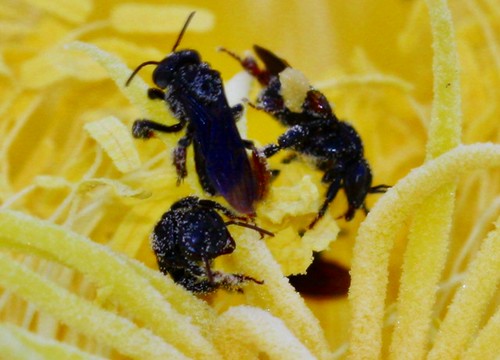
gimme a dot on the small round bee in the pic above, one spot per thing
(190, 236)
(334, 146)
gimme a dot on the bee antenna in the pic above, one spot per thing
(186, 24)
(139, 68)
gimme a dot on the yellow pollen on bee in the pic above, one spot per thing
(294, 88)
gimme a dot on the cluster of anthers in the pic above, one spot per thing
(67, 263)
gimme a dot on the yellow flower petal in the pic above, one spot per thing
(115, 139)
(136, 92)
(145, 18)
(120, 188)
(75, 11)
(4, 68)
(134, 53)
(276, 294)
(120, 333)
(471, 301)
(32, 346)
(381, 80)
(244, 332)
(428, 242)
(376, 236)
(378, 76)
(79, 252)
(486, 345)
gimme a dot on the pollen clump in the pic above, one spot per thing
(294, 88)
(299, 199)
(294, 253)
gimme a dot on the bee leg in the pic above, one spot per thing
(179, 158)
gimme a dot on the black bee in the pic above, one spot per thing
(187, 239)
(194, 93)
(314, 131)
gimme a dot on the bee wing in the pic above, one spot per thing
(218, 142)
(273, 63)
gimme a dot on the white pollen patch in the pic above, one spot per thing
(294, 88)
